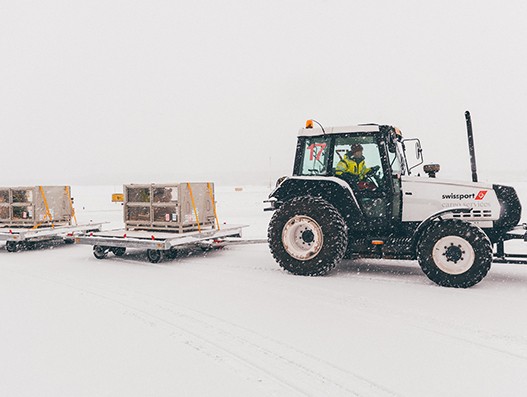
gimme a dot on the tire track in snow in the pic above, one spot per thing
(378, 309)
(312, 376)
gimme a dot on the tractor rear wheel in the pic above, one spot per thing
(454, 253)
(307, 236)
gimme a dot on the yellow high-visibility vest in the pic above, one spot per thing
(351, 166)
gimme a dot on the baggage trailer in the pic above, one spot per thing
(17, 238)
(32, 214)
(162, 218)
(161, 244)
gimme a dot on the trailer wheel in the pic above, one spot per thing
(69, 241)
(12, 246)
(100, 252)
(307, 236)
(154, 256)
(454, 253)
(119, 251)
(171, 253)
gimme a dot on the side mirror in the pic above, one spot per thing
(418, 153)
(418, 150)
(431, 169)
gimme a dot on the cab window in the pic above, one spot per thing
(395, 163)
(371, 153)
(315, 156)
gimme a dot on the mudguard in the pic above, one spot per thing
(334, 190)
(424, 224)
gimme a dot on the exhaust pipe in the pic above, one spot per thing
(471, 149)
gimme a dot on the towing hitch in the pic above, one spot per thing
(500, 256)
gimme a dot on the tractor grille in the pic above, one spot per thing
(511, 208)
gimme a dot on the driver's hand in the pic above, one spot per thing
(374, 169)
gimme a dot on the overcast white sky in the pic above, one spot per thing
(156, 91)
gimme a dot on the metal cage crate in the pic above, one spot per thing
(176, 207)
(35, 206)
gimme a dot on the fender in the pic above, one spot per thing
(424, 224)
(332, 189)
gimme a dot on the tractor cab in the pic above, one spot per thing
(367, 158)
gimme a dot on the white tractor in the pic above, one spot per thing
(333, 208)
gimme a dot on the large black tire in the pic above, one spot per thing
(307, 236)
(454, 253)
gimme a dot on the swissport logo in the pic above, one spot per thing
(466, 196)
(481, 195)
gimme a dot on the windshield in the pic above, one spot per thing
(315, 156)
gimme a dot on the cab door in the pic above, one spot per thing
(373, 190)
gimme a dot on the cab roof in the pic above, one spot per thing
(339, 130)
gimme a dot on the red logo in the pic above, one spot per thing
(481, 195)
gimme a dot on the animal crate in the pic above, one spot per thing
(35, 206)
(177, 207)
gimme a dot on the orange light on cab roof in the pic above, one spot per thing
(309, 124)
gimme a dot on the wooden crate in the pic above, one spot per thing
(26, 206)
(169, 207)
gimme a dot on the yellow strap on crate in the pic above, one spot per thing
(68, 194)
(213, 204)
(194, 206)
(48, 212)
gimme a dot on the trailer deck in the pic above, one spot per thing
(19, 237)
(159, 244)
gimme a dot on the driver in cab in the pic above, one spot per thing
(352, 167)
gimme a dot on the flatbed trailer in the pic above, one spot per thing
(161, 244)
(23, 237)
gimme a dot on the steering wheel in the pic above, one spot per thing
(372, 180)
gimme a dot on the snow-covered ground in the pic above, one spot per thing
(232, 323)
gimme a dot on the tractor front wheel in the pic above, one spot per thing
(307, 236)
(454, 253)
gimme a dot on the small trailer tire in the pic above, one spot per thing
(119, 251)
(12, 246)
(171, 253)
(100, 252)
(154, 256)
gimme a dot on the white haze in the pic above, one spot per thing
(118, 91)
